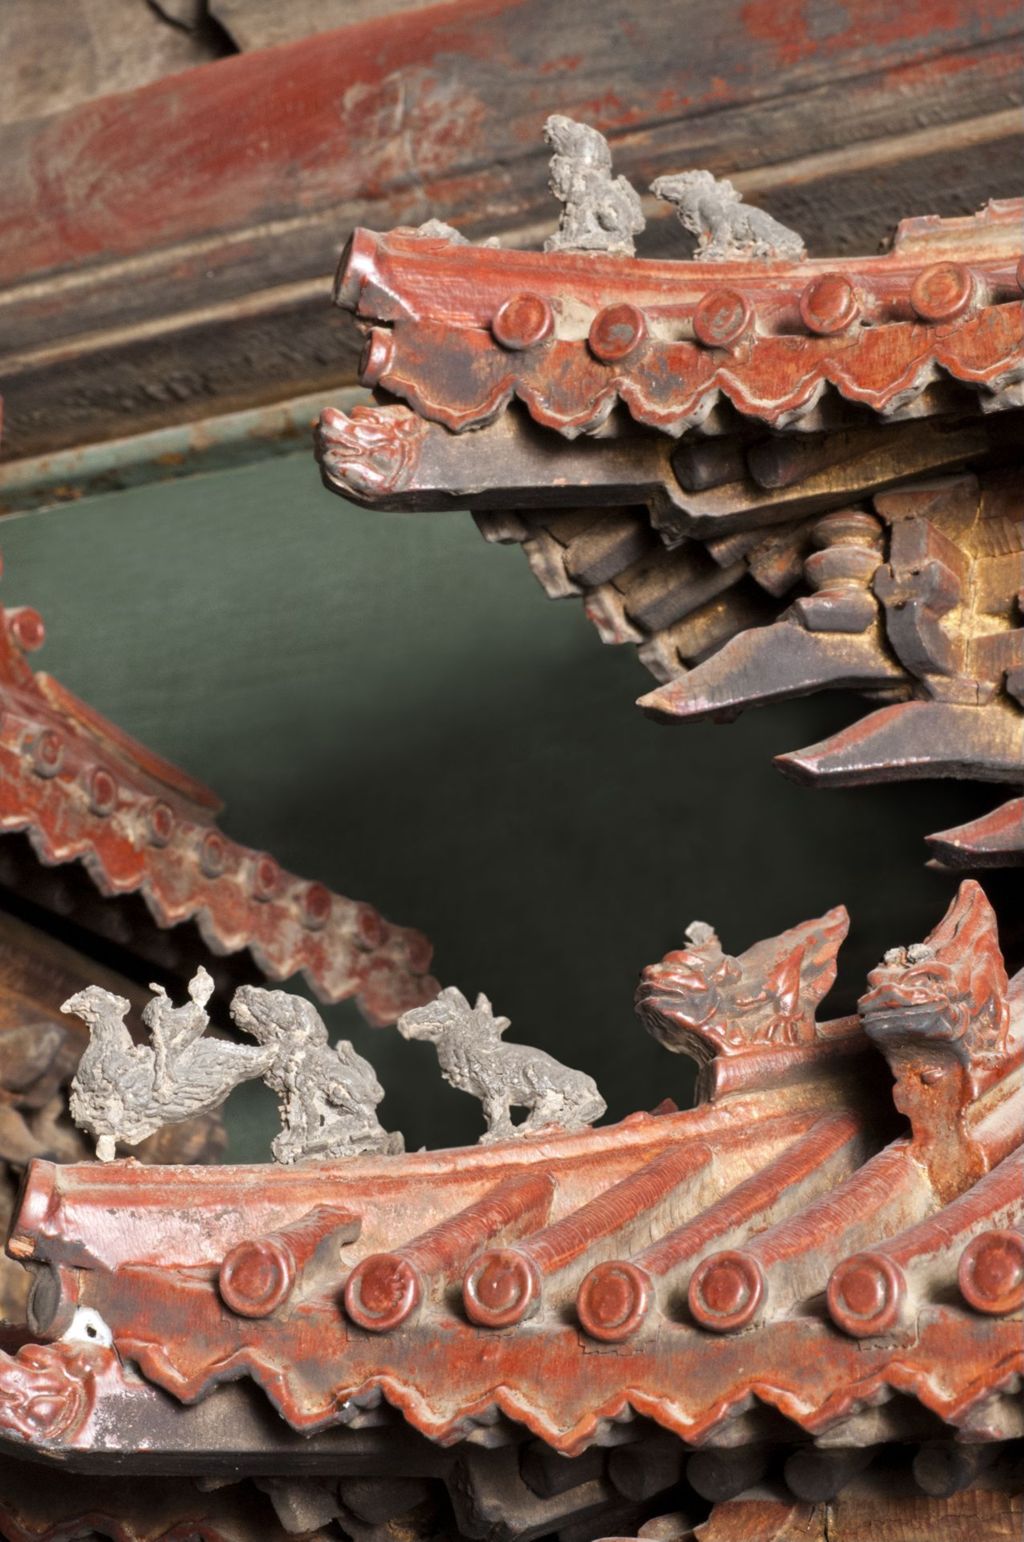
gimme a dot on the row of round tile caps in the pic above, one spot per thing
(503, 1286)
(829, 304)
(45, 750)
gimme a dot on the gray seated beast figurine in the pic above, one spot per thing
(727, 229)
(600, 213)
(503, 1076)
(328, 1096)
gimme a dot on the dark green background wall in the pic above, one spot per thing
(392, 706)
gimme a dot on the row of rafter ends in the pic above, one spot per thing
(525, 300)
(82, 792)
(458, 332)
(971, 1250)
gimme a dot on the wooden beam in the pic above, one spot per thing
(165, 252)
(166, 454)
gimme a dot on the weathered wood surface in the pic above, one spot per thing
(166, 251)
(78, 60)
(263, 23)
(976, 1515)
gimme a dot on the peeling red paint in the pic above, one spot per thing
(799, 29)
(408, 105)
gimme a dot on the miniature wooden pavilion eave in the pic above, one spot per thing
(700, 449)
(84, 791)
(670, 1268)
(767, 477)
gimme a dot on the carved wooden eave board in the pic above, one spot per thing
(786, 1249)
(771, 477)
(84, 791)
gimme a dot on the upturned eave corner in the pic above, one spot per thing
(578, 1278)
(85, 791)
(771, 473)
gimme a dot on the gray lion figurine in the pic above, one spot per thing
(727, 229)
(328, 1096)
(600, 213)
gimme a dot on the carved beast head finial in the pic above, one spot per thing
(48, 1390)
(949, 992)
(370, 453)
(703, 1002)
(940, 1013)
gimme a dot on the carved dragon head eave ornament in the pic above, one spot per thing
(772, 475)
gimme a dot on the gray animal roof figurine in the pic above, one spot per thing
(124, 1092)
(503, 1076)
(727, 229)
(600, 213)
